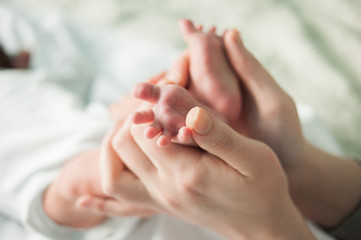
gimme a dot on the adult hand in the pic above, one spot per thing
(121, 194)
(128, 194)
(236, 187)
(76, 198)
(267, 108)
(316, 178)
(269, 113)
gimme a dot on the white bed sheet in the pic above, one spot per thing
(74, 72)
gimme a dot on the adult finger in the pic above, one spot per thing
(179, 71)
(251, 72)
(115, 179)
(177, 74)
(157, 78)
(219, 139)
(112, 207)
(127, 149)
(110, 164)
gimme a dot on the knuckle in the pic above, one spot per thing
(190, 185)
(269, 161)
(225, 142)
(192, 180)
(269, 154)
(171, 201)
(186, 191)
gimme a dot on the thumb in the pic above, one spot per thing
(219, 139)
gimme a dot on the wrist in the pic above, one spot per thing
(326, 188)
(283, 221)
(287, 224)
(297, 176)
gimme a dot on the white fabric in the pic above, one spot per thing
(56, 110)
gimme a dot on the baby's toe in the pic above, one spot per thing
(147, 92)
(212, 29)
(185, 137)
(164, 139)
(144, 116)
(187, 28)
(153, 130)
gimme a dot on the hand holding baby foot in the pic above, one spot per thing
(172, 103)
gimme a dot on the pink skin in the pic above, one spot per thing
(213, 81)
(213, 84)
(172, 103)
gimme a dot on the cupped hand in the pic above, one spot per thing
(124, 193)
(120, 193)
(235, 187)
(269, 113)
(76, 197)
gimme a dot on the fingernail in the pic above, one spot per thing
(172, 78)
(199, 121)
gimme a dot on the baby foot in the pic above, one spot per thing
(213, 80)
(172, 103)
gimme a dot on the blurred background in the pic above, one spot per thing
(312, 48)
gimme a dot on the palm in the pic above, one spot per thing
(273, 121)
